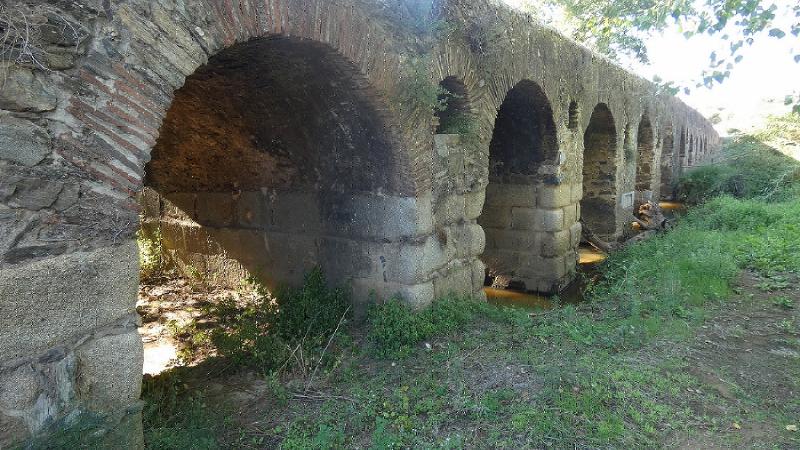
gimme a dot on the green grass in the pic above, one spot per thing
(267, 331)
(395, 329)
(175, 418)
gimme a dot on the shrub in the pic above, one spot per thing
(262, 333)
(395, 328)
(176, 419)
(151, 253)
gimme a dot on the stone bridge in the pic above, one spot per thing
(405, 150)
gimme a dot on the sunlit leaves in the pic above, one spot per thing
(615, 27)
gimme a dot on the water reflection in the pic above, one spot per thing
(671, 206)
(672, 209)
(590, 257)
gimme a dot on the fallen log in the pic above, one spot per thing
(651, 217)
(651, 220)
(591, 238)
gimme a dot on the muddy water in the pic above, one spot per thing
(572, 294)
(672, 209)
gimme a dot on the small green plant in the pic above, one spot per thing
(267, 331)
(783, 302)
(775, 283)
(395, 328)
(418, 91)
(151, 253)
(787, 325)
(175, 418)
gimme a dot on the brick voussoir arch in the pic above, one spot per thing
(131, 92)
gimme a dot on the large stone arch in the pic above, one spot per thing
(645, 158)
(599, 202)
(667, 162)
(69, 280)
(525, 240)
(262, 170)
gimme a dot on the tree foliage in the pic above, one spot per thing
(621, 27)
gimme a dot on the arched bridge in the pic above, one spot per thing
(406, 150)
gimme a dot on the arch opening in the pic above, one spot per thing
(598, 206)
(522, 157)
(667, 163)
(645, 157)
(267, 161)
(573, 118)
(454, 114)
(682, 158)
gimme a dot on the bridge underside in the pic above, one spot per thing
(262, 139)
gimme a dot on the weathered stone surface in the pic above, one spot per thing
(549, 219)
(514, 239)
(375, 216)
(474, 202)
(102, 389)
(570, 214)
(59, 298)
(457, 281)
(524, 218)
(36, 193)
(22, 141)
(555, 196)
(12, 429)
(449, 209)
(18, 388)
(555, 244)
(14, 223)
(252, 210)
(23, 90)
(216, 209)
(418, 296)
(575, 234)
(522, 195)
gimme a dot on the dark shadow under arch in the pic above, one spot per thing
(265, 159)
(667, 163)
(523, 146)
(598, 206)
(645, 156)
(524, 134)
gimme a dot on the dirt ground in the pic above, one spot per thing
(749, 354)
